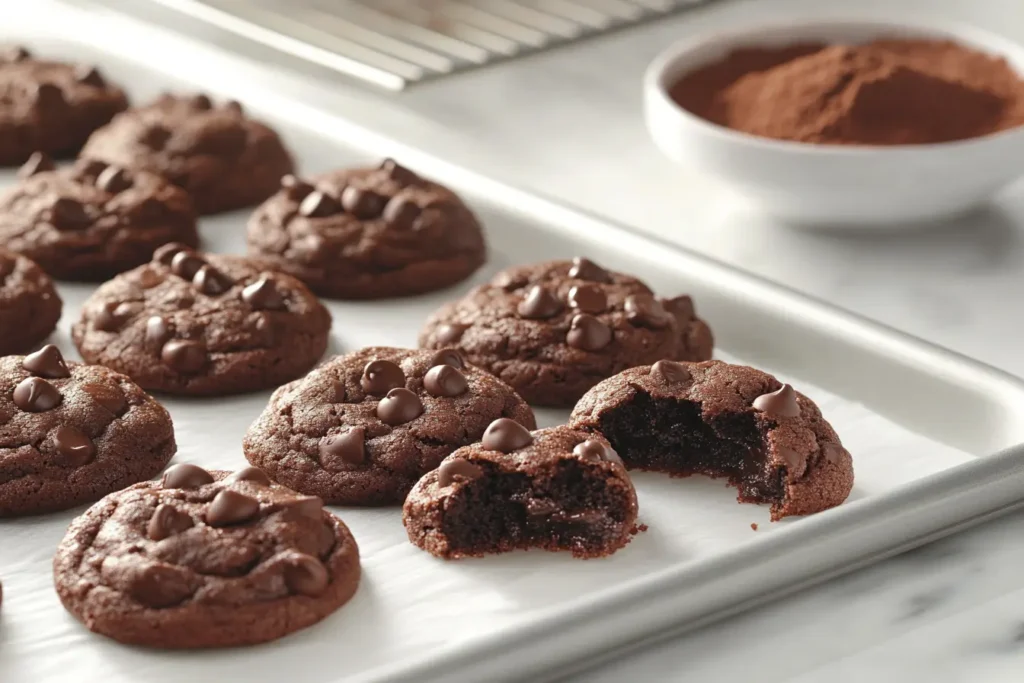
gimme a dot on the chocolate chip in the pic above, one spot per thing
(253, 474)
(74, 445)
(167, 521)
(36, 395)
(186, 264)
(112, 315)
(15, 54)
(349, 447)
(646, 312)
(401, 213)
(305, 575)
(596, 451)
(781, 403)
(506, 435)
(509, 282)
(211, 281)
(363, 204)
(539, 303)
(794, 461)
(671, 371)
(47, 362)
(266, 330)
(339, 391)
(89, 75)
(457, 469)
(160, 585)
(263, 295)
(318, 204)
(449, 357)
(113, 180)
(450, 333)
(381, 376)
(69, 214)
(588, 298)
(585, 269)
(185, 476)
(231, 507)
(108, 397)
(39, 162)
(588, 333)
(681, 307)
(399, 406)
(165, 254)
(184, 355)
(400, 174)
(157, 331)
(834, 453)
(235, 107)
(444, 380)
(49, 96)
(310, 507)
(155, 136)
(295, 188)
(201, 102)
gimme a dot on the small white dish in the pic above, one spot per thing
(834, 185)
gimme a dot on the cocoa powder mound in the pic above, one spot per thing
(887, 92)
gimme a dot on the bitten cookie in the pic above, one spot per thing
(222, 158)
(71, 433)
(553, 330)
(368, 233)
(723, 420)
(29, 304)
(205, 559)
(362, 428)
(50, 106)
(91, 221)
(203, 324)
(554, 489)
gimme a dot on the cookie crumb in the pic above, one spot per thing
(753, 525)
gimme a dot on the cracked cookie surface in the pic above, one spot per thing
(29, 304)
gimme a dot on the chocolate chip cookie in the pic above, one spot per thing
(205, 559)
(29, 304)
(554, 489)
(368, 233)
(362, 428)
(722, 420)
(203, 324)
(91, 221)
(224, 159)
(50, 106)
(71, 433)
(553, 330)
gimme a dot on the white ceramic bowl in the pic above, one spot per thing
(834, 185)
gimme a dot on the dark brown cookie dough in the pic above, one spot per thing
(71, 433)
(723, 420)
(362, 428)
(203, 324)
(205, 559)
(553, 330)
(50, 106)
(91, 221)
(368, 233)
(554, 489)
(29, 304)
(222, 158)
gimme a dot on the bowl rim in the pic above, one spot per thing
(656, 87)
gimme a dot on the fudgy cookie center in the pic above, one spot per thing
(670, 435)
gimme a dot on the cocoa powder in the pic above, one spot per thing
(886, 92)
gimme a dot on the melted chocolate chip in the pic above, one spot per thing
(89, 75)
(108, 397)
(671, 371)
(39, 162)
(69, 214)
(363, 204)
(113, 180)
(47, 362)
(253, 474)
(588, 333)
(401, 213)
(596, 451)
(646, 312)
(166, 522)
(211, 281)
(381, 376)
(539, 303)
(349, 447)
(585, 269)
(834, 453)
(155, 136)
(231, 507)
(74, 445)
(399, 407)
(185, 476)
(681, 307)
(450, 333)
(305, 575)
(49, 96)
(457, 469)
(295, 188)
(588, 298)
(318, 204)
(36, 395)
(157, 331)
(449, 357)
(184, 355)
(794, 461)
(186, 264)
(400, 174)
(263, 295)
(444, 380)
(781, 403)
(506, 435)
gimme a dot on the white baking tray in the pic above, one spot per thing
(925, 426)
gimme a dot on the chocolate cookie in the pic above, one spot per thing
(723, 420)
(553, 330)
(50, 106)
(205, 559)
(368, 233)
(29, 304)
(222, 158)
(362, 428)
(555, 489)
(91, 221)
(71, 433)
(203, 324)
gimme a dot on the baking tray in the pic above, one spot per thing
(934, 437)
